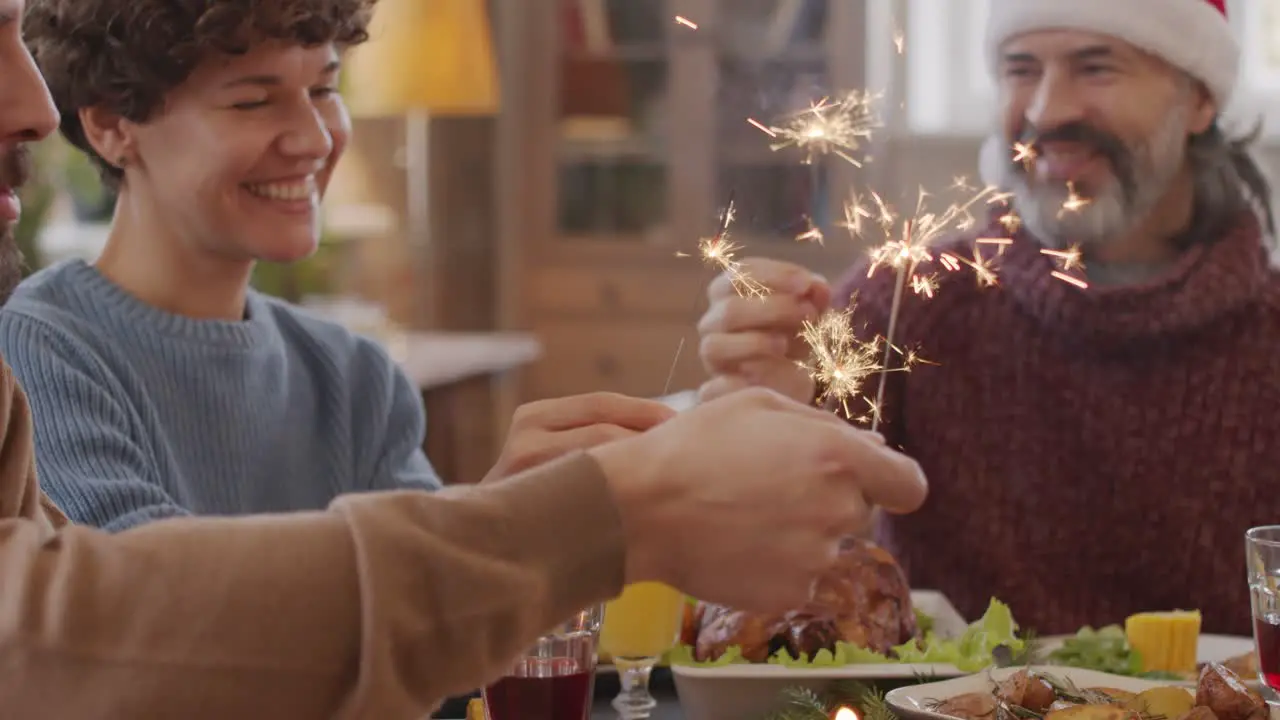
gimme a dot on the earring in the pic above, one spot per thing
(122, 161)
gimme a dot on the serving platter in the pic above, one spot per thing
(744, 691)
(914, 701)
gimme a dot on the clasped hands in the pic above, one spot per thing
(744, 499)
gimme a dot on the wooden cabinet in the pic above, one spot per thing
(623, 133)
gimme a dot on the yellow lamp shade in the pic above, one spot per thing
(432, 55)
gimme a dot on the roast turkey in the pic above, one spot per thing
(863, 600)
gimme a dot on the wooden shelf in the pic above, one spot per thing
(613, 304)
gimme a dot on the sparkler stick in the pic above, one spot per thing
(894, 308)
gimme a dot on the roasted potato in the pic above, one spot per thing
(1221, 691)
(1198, 712)
(1093, 712)
(1243, 665)
(970, 706)
(1026, 690)
(1167, 702)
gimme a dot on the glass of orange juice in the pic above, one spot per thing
(639, 626)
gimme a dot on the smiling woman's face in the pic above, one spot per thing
(242, 151)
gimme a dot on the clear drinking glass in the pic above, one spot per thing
(553, 680)
(1262, 553)
(640, 625)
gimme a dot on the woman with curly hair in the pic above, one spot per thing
(162, 385)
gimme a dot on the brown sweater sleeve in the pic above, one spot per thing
(20, 494)
(378, 608)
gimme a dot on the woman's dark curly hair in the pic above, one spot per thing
(126, 55)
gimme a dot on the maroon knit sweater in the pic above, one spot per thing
(1091, 453)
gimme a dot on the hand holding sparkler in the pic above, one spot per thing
(756, 341)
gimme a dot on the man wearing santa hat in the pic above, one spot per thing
(1093, 451)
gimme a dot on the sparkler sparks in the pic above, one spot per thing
(682, 20)
(1074, 202)
(720, 252)
(908, 244)
(827, 127)
(840, 363)
(909, 247)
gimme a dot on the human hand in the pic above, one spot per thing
(546, 429)
(751, 341)
(744, 500)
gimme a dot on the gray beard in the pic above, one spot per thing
(1112, 211)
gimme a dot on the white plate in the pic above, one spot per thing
(747, 691)
(914, 701)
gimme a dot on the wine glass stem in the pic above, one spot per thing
(634, 701)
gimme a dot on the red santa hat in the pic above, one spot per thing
(1190, 34)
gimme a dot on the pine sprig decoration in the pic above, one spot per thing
(805, 704)
(802, 704)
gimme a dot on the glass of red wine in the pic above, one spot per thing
(1262, 552)
(554, 679)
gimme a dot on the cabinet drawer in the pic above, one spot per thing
(672, 295)
(630, 358)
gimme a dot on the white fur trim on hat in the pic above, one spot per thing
(1189, 34)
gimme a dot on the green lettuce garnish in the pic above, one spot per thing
(683, 655)
(970, 652)
(845, 654)
(923, 622)
(1105, 650)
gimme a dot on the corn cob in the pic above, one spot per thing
(1167, 641)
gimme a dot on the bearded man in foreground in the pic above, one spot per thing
(1098, 451)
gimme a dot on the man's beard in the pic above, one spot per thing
(15, 170)
(1141, 175)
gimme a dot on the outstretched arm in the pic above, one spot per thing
(378, 608)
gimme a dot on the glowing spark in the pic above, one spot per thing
(999, 198)
(813, 234)
(681, 20)
(907, 243)
(840, 363)
(720, 252)
(1074, 202)
(1010, 222)
(1070, 280)
(925, 285)
(1000, 243)
(900, 41)
(827, 128)
(1068, 259)
(1024, 153)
